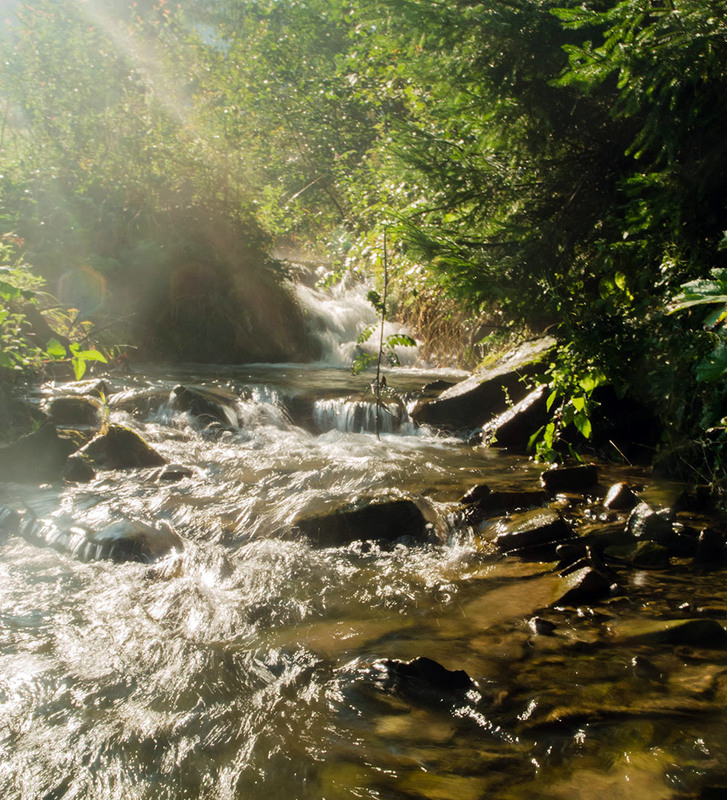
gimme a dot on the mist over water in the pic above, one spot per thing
(242, 666)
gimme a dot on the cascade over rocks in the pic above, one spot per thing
(208, 404)
(473, 402)
(385, 520)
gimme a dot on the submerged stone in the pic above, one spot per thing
(692, 632)
(423, 677)
(120, 541)
(533, 535)
(576, 479)
(386, 520)
(541, 627)
(121, 448)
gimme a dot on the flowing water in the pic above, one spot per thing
(242, 668)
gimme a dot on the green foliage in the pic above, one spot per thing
(713, 366)
(571, 404)
(23, 349)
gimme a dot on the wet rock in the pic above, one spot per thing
(650, 555)
(433, 387)
(121, 541)
(38, 457)
(385, 520)
(710, 548)
(578, 479)
(512, 429)
(474, 401)
(75, 410)
(620, 497)
(170, 473)
(481, 504)
(645, 523)
(584, 586)
(658, 526)
(424, 678)
(476, 493)
(541, 627)
(78, 470)
(208, 404)
(533, 535)
(121, 448)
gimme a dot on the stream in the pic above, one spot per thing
(244, 667)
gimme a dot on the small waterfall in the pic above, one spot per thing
(337, 316)
(359, 416)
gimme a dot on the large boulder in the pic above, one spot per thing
(514, 428)
(377, 520)
(473, 402)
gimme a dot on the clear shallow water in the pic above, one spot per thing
(242, 668)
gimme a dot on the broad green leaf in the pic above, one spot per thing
(55, 349)
(583, 424)
(579, 403)
(79, 368)
(91, 355)
(551, 399)
(713, 366)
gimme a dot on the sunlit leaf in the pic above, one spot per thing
(55, 349)
(583, 424)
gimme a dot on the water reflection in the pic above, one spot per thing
(241, 669)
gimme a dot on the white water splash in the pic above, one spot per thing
(337, 316)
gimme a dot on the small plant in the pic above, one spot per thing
(22, 350)
(386, 345)
(570, 402)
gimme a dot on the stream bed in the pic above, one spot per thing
(245, 666)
